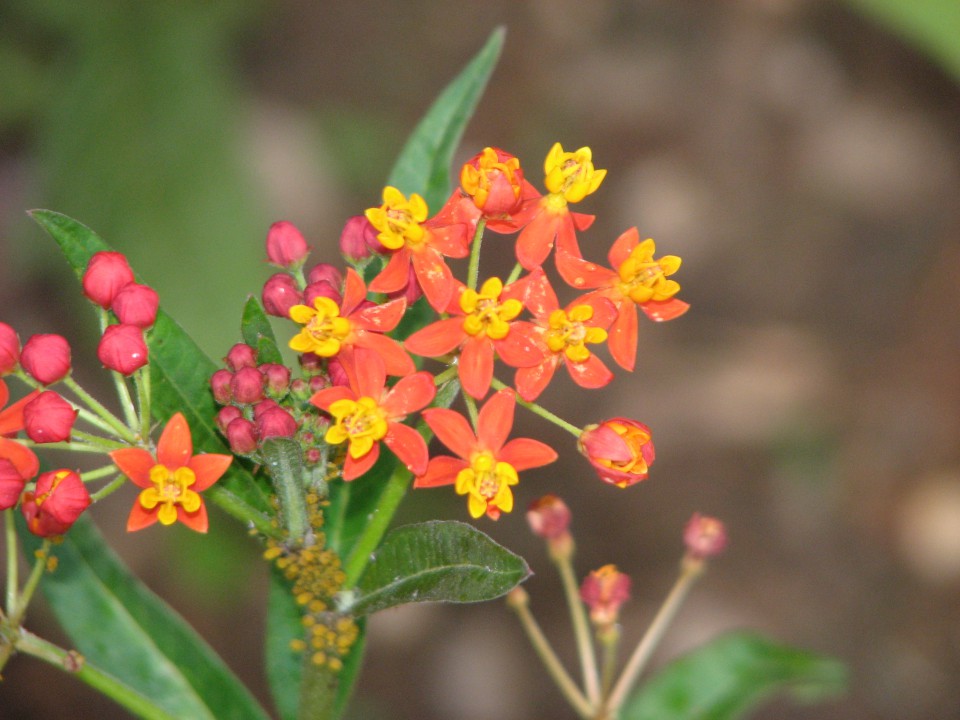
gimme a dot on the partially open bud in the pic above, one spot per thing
(48, 418)
(280, 293)
(285, 245)
(56, 503)
(123, 349)
(705, 537)
(494, 180)
(620, 450)
(9, 349)
(136, 304)
(604, 591)
(11, 484)
(106, 273)
(46, 358)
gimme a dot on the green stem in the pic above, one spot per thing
(76, 666)
(39, 565)
(91, 475)
(376, 526)
(112, 420)
(472, 411)
(141, 380)
(691, 569)
(473, 269)
(518, 601)
(610, 642)
(542, 411)
(12, 561)
(514, 274)
(125, 398)
(72, 445)
(108, 489)
(581, 629)
(96, 441)
(449, 374)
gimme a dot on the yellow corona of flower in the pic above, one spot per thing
(324, 329)
(567, 333)
(398, 219)
(486, 483)
(571, 175)
(485, 313)
(362, 422)
(644, 279)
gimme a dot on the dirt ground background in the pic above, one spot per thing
(801, 160)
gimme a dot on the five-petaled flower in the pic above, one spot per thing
(329, 329)
(415, 241)
(486, 467)
(638, 280)
(367, 412)
(487, 324)
(172, 482)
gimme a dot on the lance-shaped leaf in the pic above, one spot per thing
(180, 375)
(436, 561)
(257, 333)
(127, 631)
(730, 676)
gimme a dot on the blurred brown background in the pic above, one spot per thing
(803, 162)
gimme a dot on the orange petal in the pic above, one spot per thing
(175, 446)
(450, 240)
(354, 468)
(567, 235)
(196, 520)
(583, 274)
(476, 366)
(11, 418)
(323, 399)
(434, 277)
(623, 246)
(395, 358)
(411, 393)
(135, 463)
(495, 420)
(354, 292)
(437, 339)
(623, 336)
(371, 373)
(441, 470)
(531, 381)
(380, 318)
(541, 300)
(535, 241)
(590, 374)
(408, 445)
(22, 457)
(526, 453)
(395, 275)
(140, 518)
(665, 310)
(521, 347)
(452, 429)
(209, 468)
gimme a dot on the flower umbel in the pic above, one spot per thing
(172, 482)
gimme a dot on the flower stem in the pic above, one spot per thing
(16, 617)
(100, 472)
(514, 274)
(581, 629)
(113, 421)
(542, 411)
(691, 569)
(610, 642)
(12, 561)
(142, 381)
(102, 444)
(473, 269)
(108, 489)
(518, 601)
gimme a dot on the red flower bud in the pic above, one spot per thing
(11, 484)
(247, 386)
(278, 378)
(136, 304)
(358, 240)
(705, 537)
(123, 349)
(279, 294)
(241, 356)
(275, 422)
(320, 289)
(9, 349)
(55, 504)
(604, 591)
(226, 416)
(620, 450)
(325, 272)
(285, 245)
(48, 418)
(261, 407)
(242, 436)
(549, 517)
(106, 273)
(220, 386)
(46, 358)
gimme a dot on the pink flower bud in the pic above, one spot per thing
(241, 356)
(123, 349)
(9, 349)
(242, 436)
(11, 484)
(46, 358)
(325, 272)
(263, 406)
(604, 591)
(358, 240)
(320, 289)
(55, 504)
(106, 273)
(279, 294)
(549, 517)
(48, 418)
(220, 386)
(247, 386)
(276, 422)
(337, 375)
(705, 537)
(620, 450)
(278, 378)
(285, 245)
(136, 304)
(226, 416)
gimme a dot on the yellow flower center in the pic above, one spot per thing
(324, 330)
(635, 438)
(487, 484)
(398, 219)
(170, 488)
(571, 175)
(568, 333)
(362, 421)
(476, 181)
(643, 279)
(485, 313)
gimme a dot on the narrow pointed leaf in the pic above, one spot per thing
(126, 630)
(257, 333)
(727, 678)
(437, 561)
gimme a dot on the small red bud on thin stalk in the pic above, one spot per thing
(280, 293)
(241, 356)
(9, 349)
(106, 274)
(136, 304)
(48, 418)
(46, 358)
(286, 246)
(123, 349)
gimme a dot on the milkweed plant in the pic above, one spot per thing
(314, 459)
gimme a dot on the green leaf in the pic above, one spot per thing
(436, 561)
(127, 631)
(424, 163)
(728, 677)
(257, 333)
(180, 375)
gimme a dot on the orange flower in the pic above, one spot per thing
(620, 450)
(637, 281)
(486, 467)
(172, 482)
(487, 325)
(403, 228)
(329, 329)
(493, 187)
(11, 422)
